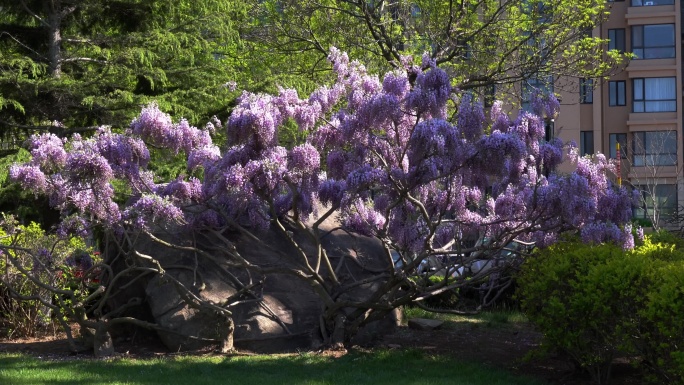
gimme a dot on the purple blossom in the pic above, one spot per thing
(305, 159)
(47, 150)
(149, 209)
(72, 225)
(530, 128)
(435, 138)
(396, 84)
(640, 233)
(206, 219)
(203, 156)
(29, 177)
(431, 93)
(152, 124)
(551, 154)
(364, 177)
(331, 191)
(80, 260)
(254, 121)
(182, 191)
(362, 218)
(88, 166)
(471, 118)
(546, 106)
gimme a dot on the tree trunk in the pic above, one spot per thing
(337, 339)
(227, 341)
(102, 343)
(54, 21)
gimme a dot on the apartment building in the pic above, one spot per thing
(640, 107)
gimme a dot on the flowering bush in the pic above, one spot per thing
(406, 159)
(29, 255)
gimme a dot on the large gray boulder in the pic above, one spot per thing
(281, 313)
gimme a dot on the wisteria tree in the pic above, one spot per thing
(407, 161)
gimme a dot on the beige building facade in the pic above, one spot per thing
(640, 106)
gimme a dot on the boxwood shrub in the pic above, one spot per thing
(593, 302)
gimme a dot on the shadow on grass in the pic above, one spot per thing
(377, 368)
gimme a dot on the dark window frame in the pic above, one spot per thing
(640, 104)
(666, 201)
(617, 39)
(654, 148)
(586, 91)
(617, 138)
(645, 52)
(617, 93)
(586, 143)
(646, 3)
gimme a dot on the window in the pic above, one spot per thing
(586, 91)
(549, 131)
(654, 95)
(586, 142)
(660, 197)
(616, 93)
(644, 3)
(613, 140)
(653, 41)
(616, 39)
(654, 148)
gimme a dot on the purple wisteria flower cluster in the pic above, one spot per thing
(384, 154)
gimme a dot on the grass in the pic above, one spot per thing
(377, 368)
(499, 318)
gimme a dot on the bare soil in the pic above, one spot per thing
(503, 346)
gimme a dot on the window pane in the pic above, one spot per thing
(616, 39)
(653, 41)
(654, 95)
(658, 106)
(659, 35)
(654, 148)
(638, 89)
(586, 91)
(659, 88)
(621, 94)
(639, 107)
(644, 3)
(614, 139)
(620, 40)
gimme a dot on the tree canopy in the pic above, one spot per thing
(481, 43)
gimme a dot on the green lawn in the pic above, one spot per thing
(377, 368)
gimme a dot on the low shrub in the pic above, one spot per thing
(593, 302)
(559, 294)
(661, 334)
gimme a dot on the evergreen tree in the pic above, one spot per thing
(95, 62)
